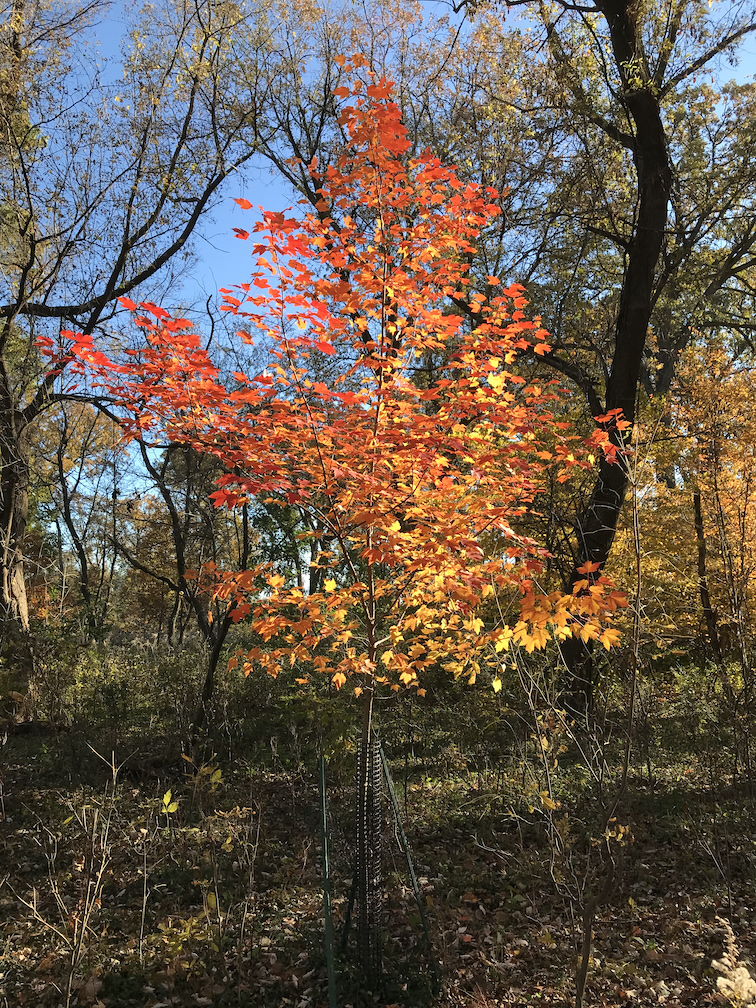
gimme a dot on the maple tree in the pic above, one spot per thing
(410, 467)
(424, 448)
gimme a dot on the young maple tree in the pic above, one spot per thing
(412, 465)
(409, 467)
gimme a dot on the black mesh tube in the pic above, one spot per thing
(369, 875)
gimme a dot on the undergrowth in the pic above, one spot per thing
(141, 875)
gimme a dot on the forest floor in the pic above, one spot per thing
(126, 896)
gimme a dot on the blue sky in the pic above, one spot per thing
(223, 260)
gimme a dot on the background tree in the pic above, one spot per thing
(624, 76)
(77, 456)
(104, 183)
(715, 409)
(194, 537)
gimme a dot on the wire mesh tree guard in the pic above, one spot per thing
(366, 892)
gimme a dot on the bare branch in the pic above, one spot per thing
(706, 57)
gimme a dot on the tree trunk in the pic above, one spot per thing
(215, 641)
(597, 524)
(714, 641)
(15, 643)
(710, 616)
(14, 490)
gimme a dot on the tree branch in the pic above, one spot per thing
(702, 60)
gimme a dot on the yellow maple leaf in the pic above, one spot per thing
(589, 631)
(502, 642)
(609, 637)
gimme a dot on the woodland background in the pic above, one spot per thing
(583, 834)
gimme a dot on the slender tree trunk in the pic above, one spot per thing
(215, 635)
(175, 618)
(710, 616)
(14, 451)
(90, 609)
